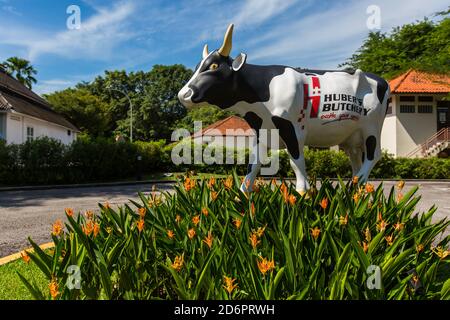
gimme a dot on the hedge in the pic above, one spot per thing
(48, 161)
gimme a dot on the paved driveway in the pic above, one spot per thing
(31, 213)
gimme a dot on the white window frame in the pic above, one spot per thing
(30, 133)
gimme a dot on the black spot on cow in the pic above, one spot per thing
(382, 85)
(362, 157)
(312, 72)
(254, 121)
(371, 143)
(287, 134)
(224, 87)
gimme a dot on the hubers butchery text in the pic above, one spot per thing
(343, 102)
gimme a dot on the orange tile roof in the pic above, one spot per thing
(220, 128)
(414, 81)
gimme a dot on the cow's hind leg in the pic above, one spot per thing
(293, 137)
(372, 152)
(354, 149)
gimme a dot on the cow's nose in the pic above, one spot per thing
(185, 94)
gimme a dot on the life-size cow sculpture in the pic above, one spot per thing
(319, 108)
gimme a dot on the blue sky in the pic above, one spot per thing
(136, 34)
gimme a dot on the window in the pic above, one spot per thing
(69, 132)
(2, 126)
(407, 98)
(30, 133)
(389, 108)
(404, 108)
(425, 108)
(425, 99)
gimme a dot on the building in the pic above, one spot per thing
(417, 123)
(24, 115)
(230, 132)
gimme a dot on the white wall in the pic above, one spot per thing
(17, 129)
(388, 135)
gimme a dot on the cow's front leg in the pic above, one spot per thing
(293, 138)
(252, 173)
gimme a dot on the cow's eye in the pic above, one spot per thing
(213, 66)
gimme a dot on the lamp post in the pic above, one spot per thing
(131, 109)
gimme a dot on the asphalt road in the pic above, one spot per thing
(31, 213)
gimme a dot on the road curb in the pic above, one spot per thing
(18, 255)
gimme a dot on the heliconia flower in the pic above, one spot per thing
(140, 225)
(211, 182)
(367, 234)
(365, 246)
(237, 222)
(69, 212)
(292, 199)
(189, 184)
(283, 187)
(213, 195)
(315, 232)
(389, 239)
(260, 231)
(196, 220)
(25, 257)
(178, 263)
(109, 230)
(356, 197)
(142, 211)
(273, 182)
(381, 226)
(265, 265)
(440, 252)
(229, 284)
(399, 226)
(57, 228)
(205, 212)
(369, 205)
(107, 205)
(399, 197)
(54, 288)
(400, 185)
(228, 183)
(88, 227)
(209, 240)
(89, 214)
(252, 209)
(170, 234)
(369, 188)
(355, 180)
(191, 233)
(324, 203)
(178, 218)
(419, 248)
(343, 220)
(96, 229)
(254, 240)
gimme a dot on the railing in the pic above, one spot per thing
(442, 135)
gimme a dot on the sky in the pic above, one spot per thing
(137, 34)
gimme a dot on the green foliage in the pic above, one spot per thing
(20, 69)
(183, 245)
(207, 115)
(422, 45)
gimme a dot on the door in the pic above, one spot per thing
(443, 114)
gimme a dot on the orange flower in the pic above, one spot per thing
(367, 234)
(283, 188)
(237, 222)
(205, 212)
(369, 188)
(140, 225)
(252, 209)
(229, 284)
(178, 263)
(228, 183)
(273, 182)
(178, 218)
(399, 197)
(69, 212)
(191, 233)
(381, 226)
(209, 240)
(441, 253)
(96, 229)
(170, 234)
(356, 197)
(355, 180)
(142, 211)
(324, 203)
(292, 199)
(88, 227)
(189, 184)
(57, 228)
(213, 195)
(260, 231)
(315, 232)
(54, 288)
(107, 205)
(25, 257)
(365, 246)
(265, 265)
(343, 220)
(254, 240)
(419, 248)
(89, 214)
(196, 220)
(400, 185)
(399, 226)
(211, 182)
(389, 239)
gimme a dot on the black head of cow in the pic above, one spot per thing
(216, 77)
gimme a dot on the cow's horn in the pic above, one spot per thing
(205, 51)
(227, 42)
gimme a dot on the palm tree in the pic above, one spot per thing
(20, 69)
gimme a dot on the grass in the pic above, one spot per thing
(11, 288)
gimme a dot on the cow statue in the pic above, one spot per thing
(319, 108)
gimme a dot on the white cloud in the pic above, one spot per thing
(254, 12)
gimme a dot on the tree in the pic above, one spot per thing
(87, 111)
(206, 114)
(20, 69)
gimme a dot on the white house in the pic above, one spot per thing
(417, 123)
(24, 115)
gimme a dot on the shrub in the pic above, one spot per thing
(208, 240)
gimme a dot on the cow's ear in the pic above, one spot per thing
(239, 61)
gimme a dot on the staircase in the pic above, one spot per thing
(433, 145)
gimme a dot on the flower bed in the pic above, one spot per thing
(208, 240)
